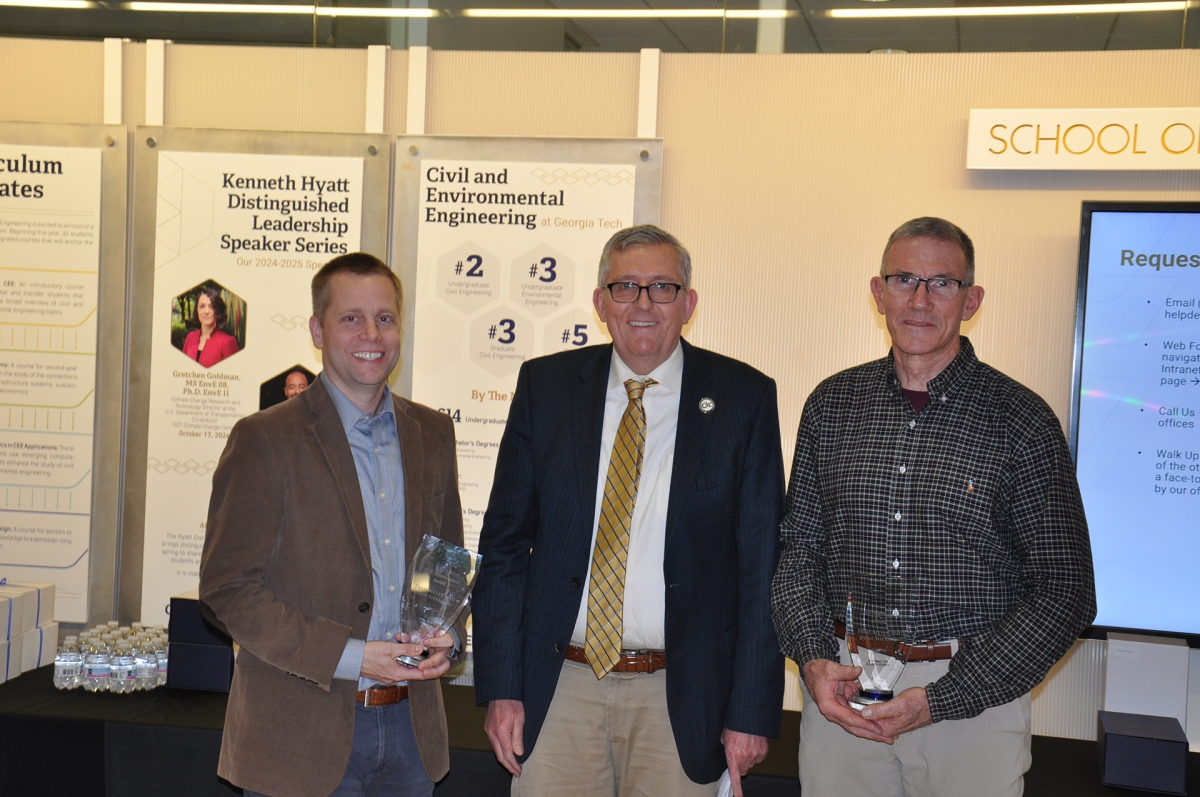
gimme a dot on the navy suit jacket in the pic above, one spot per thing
(724, 669)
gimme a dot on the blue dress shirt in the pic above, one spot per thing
(375, 443)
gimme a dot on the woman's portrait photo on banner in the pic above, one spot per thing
(208, 323)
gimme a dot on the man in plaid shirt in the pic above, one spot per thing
(941, 495)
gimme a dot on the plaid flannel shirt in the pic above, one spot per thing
(963, 521)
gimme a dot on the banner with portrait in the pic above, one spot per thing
(237, 240)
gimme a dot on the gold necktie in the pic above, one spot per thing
(606, 598)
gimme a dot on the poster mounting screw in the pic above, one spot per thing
(373, 150)
(109, 141)
(413, 150)
(645, 154)
(150, 142)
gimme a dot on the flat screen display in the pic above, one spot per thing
(1135, 425)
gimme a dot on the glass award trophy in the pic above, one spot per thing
(880, 672)
(440, 578)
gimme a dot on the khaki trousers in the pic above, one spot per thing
(985, 756)
(607, 738)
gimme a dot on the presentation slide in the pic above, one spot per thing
(1139, 418)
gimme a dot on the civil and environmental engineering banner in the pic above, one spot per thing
(507, 253)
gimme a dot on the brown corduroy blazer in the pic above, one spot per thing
(286, 571)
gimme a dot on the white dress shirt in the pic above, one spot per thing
(645, 586)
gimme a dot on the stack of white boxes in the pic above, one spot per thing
(27, 624)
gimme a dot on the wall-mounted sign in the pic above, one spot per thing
(1101, 139)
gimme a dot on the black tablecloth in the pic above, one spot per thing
(166, 742)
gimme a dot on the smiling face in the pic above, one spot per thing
(295, 384)
(923, 327)
(644, 333)
(359, 336)
(205, 312)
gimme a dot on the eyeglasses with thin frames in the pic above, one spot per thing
(938, 287)
(630, 292)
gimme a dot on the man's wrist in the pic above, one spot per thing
(810, 650)
(349, 666)
(946, 700)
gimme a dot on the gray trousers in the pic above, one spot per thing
(985, 756)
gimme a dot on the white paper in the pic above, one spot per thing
(725, 786)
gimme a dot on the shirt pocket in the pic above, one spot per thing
(964, 501)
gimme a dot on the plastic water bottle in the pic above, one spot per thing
(95, 667)
(120, 671)
(160, 653)
(68, 665)
(145, 665)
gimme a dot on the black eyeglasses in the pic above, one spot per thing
(630, 292)
(938, 287)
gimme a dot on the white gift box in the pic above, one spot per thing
(7, 619)
(39, 647)
(43, 603)
(13, 654)
(24, 609)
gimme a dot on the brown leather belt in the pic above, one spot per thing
(646, 661)
(918, 651)
(383, 695)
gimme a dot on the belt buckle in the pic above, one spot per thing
(367, 703)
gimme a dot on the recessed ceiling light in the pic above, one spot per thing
(1006, 11)
(48, 3)
(254, 8)
(627, 13)
(887, 50)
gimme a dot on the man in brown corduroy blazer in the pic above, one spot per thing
(300, 568)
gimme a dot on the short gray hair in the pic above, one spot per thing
(644, 235)
(939, 229)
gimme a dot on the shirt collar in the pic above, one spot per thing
(949, 377)
(669, 374)
(350, 414)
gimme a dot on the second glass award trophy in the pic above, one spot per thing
(440, 578)
(880, 672)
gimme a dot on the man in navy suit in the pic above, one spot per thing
(623, 638)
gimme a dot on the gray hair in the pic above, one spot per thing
(644, 235)
(939, 229)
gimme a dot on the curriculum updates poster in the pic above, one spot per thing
(507, 255)
(49, 268)
(237, 240)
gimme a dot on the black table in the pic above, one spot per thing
(166, 742)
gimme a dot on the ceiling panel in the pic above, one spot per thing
(808, 31)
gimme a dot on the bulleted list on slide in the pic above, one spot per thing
(1138, 446)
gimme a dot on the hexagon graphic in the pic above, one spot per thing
(441, 340)
(573, 330)
(543, 281)
(500, 340)
(285, 385)
(208, 323)
(467, 277)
